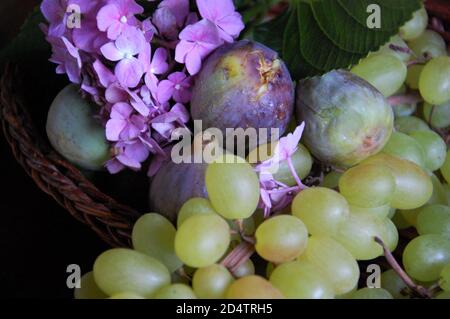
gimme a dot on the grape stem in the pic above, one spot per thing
(238, 256)
(410, 98)
(421, 291)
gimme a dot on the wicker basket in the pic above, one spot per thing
(111, 220)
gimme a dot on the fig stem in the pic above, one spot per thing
(294, 173)
(411, 98)
(421, 291)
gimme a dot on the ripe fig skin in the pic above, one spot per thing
(347, 119)
(175, 184)
(244, 84)
(74, 133)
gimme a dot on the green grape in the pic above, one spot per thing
(253, 287)
(212, 282)
(400, 221)
(347, 295)
(334, 261)
(194, 206)
(281, 238)
(413, 76)
(124, 270)
(391, 235)
(405, 147)
(416, 26)
(202, 240)
(154, 235)
(410, 215)
(126, 295)
(357, 236)
(434, 147)
(380, 211)
(445, 169)
(429, 45)
(438, 116)
(269, 269)
(406, 109)
(446, 189)
(443, 295)
(88, 288)
(444, 281)
(372, 293)
(246, 269)
(331, 180)
(384, 72)
(391, 213)
(175, 291)
(395, 285)
(434, 81)
(301, 280)
(233, 187)
(367, 186)
(396, 41)
(301, 160)
(425, 257)
(439, 196)
(434, 219)
(321, 209)
(413, 186)
(410, 124)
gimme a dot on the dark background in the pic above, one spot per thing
(38, 239)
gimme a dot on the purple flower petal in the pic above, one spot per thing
(129, 72)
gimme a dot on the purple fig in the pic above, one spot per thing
(347, 119)
(241, 85)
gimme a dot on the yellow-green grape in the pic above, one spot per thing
(253, 287)
(233, 187)
(429, 45)
(212, 282)
(396, 41)
(444, 281)
(413, 76)
(269, 269)
(367, 186)
(126, 295)
(331, 180)
(446, 189)
(301, 161)
(301, 280)
(413, 186)
(321, 209)
(443, 295)
(425, 257)
(434, 219)
(154, 235)
(372, 293)
(395, 285)
(357, 236)
(194, 206)
(416, 26)
(88, 288)
(281, 238)
(246, 269)
(437, 115)
(175, 291)
(334, 261)
(434, 148)
(445, 169)
(202, 240)
(385, 72)
(391, 235)
(434, 81)
(410, 124)
(410, 215)
(124, 270)
(380, 211)
(347, 295)
(405, 147)
(439, 196)
(400, 221)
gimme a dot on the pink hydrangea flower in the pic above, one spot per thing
(179, 9)
(117, 17)
(55, 13)
(123, 124)
(177, 86)
(67, 56)
(129, 70)
(222, 13)
(197, 41)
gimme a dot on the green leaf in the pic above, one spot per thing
(30, 42)
(317, 36)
